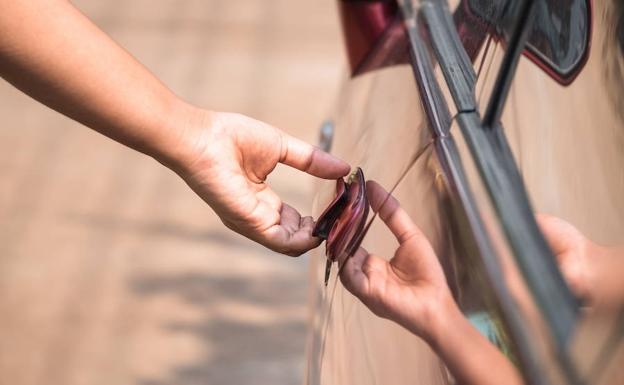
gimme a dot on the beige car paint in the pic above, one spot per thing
(569, 146)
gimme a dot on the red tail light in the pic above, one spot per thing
(374, 34)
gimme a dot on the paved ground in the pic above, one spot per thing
(111, 270)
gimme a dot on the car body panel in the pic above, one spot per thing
(567, 145)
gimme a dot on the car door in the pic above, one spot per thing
(473, 139)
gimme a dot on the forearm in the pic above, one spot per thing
(52, 52)
(468, 355)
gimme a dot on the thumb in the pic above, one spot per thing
(310, 159)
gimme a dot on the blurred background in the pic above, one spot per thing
(111, 269)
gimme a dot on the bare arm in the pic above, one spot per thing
(55, 54)
(468, 355)
(411, 290)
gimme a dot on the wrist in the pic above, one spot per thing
(446, 320)
(180, 144)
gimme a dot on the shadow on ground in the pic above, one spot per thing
(238, 351)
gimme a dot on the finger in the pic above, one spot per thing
(307, 222)
(305, 157)
(363, 272)
(290, 218)
(389, 210)
(293, 244)
(352, 276)
(293, 234)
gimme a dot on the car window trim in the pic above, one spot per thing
(495, 162)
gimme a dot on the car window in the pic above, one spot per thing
(496, 141)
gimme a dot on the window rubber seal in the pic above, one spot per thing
(499, 173)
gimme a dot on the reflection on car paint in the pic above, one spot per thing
(558, 43)
(372, 30)
(566, 146)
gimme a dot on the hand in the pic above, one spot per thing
(411, 288)
(226, 161)
(51, 51)
(572, 251)
(592, 271)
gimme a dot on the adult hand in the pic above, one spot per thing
(55, 54)
(572, 251)
(226, 160)
(410, 289)
(592, 271)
